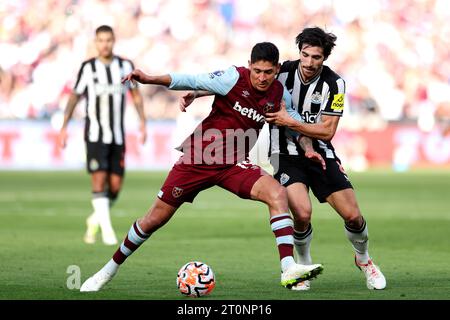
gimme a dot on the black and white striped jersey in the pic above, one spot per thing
(105, 99)
(322, 95)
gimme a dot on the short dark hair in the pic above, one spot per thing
(316, 37)
(265, 51)
(104, 28)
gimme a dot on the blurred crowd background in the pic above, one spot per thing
(394, 55)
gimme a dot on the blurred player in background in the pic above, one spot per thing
(242, 97)
(99, 81)
(318, 103)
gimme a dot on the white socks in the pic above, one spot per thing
(101, 214)
(286, 262)
(101, 211)
(111, 267)
(302, 243)
(358, 238)
(360, 242)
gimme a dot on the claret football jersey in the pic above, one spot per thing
(231, 129)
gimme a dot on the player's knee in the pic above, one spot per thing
(157, 216)
(150, 223)
(302, 214)
(115, 187)
(355, 221)
(277, 196)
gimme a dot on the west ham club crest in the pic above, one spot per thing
(177, 192)
(268, 107)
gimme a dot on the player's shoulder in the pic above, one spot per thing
(289, 66)
(329, 76)
(123, 60)
(87, 61)
(241, 70)
(277, 85)
(243, 73)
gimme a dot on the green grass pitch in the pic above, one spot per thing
(42, 221)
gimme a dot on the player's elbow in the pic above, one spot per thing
(328, 134)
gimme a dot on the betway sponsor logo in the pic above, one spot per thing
(248, 112)
(215, 146)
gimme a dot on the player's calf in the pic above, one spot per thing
(292, 273)
(359, 238)
(133, 240)
(159, 214)
(302, 243)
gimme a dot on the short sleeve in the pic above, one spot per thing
(81, 83)
(335, 103)
(128, 67)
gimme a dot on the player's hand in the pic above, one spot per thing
(186, 100)
(62, 138)
(143, 130)
(316, 157)
(135, 75)
(446, 131)
(280, 118)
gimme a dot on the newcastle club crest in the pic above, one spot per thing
(284, 178)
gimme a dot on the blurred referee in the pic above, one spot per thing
(99, 81)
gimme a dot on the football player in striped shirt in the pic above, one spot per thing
(318, 95)
(99, 81)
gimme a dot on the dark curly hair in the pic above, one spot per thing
(316, 37)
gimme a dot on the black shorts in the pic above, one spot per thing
(105, 157)
(292, 169)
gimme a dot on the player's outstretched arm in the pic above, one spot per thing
(68, 112)
(141, 77)
(219, 82)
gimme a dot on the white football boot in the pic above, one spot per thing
(298, 272)
(302, 286)
(109, 237)
(97, 281)
(92, 228)
(374, 276)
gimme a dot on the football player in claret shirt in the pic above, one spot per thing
(216, 154)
